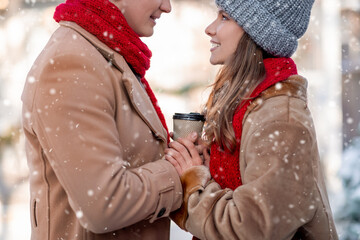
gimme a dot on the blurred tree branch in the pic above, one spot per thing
(8, 141)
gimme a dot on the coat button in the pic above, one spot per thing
(161, 212)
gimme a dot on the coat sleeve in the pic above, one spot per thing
(276, 197)
(74, 116)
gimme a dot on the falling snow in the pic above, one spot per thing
(90, 192)
(31, 79)
(79, 214)
(22, 46)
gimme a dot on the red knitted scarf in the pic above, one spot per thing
(224, 165)
(104, 20)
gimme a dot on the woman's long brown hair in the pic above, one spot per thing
(234, 83)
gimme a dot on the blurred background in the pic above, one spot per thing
(328, 56)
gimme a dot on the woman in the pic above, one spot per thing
(95, 135)
(267, 179)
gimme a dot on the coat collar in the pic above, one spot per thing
(294, 86)
(137, 94)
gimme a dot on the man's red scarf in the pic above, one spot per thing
(224, 165)
(104, 20)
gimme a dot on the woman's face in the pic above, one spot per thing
(142, 14)
(225, 35)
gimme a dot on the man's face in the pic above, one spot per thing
(141, 15)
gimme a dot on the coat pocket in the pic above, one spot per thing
(34, 213)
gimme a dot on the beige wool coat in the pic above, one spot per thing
(94, 145)
(283, 195)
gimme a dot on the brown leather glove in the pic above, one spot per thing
(193, 179)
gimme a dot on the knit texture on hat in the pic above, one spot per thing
(275, 25)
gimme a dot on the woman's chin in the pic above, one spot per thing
(215, 62)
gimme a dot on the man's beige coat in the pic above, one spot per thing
(94, 145)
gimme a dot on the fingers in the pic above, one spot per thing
(174, 163)
(193, 137)
(180, 151)
(173, 154)
(198, 142)
(206, 156)
(183, 153)
(191, 155)
(206, 153)
(200, 148)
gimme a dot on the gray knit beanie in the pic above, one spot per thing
(275, 25)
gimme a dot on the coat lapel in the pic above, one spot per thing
(140, 100)
(137, 94)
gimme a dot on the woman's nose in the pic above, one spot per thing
(210, 30)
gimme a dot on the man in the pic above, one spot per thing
(95, 136)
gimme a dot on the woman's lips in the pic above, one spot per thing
(214, 45)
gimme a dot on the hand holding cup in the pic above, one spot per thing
(185, 151)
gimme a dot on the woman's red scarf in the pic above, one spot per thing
(224, 165)
(104, 20)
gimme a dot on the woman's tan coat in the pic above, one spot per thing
(94, 145)
(283, 195)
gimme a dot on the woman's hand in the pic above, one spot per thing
(184, 154)
(206, 156)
